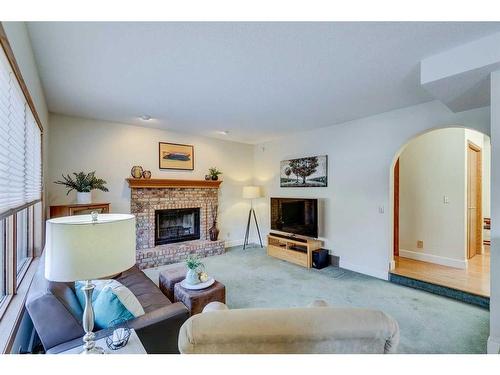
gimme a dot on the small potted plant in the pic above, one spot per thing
(83, 183)
(214, 173)
(193, 265)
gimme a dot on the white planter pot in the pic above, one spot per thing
(83, 198)
(192, 277)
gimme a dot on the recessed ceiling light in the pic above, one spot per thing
(145, 117)
(223, 132)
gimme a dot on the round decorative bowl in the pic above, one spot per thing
(136, 171)
(146, 175)
(198, 286)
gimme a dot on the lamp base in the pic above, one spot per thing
(89, 346)
(94, 350)
(247, 232)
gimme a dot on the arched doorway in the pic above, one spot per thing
(440, 211)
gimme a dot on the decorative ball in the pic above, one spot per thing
(203, 277)
(136, 171)
(146, 175)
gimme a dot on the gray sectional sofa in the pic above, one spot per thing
(57, 314)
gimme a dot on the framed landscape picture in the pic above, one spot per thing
(176, 156)
(304, 172)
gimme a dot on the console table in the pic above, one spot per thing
(294, 250)
(78, 209)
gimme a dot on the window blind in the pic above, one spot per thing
(20, 144)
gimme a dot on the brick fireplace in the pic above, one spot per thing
(173, 219)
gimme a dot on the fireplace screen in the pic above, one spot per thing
(177, 225)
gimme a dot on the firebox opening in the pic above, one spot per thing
(177, 225)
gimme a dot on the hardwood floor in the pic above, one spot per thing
(475, 279)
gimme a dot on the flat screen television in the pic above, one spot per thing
(296, 216)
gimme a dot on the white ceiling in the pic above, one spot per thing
(257, 80)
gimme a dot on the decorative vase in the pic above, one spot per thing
(83, 197)
(213, 232)
(136, 171)
(192, 277)
(146, 175)
(207, 177)
(215, 178)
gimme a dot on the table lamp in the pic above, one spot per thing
(251, 192)
(88, 247)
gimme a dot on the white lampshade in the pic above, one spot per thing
(251, 192)
(79, 249)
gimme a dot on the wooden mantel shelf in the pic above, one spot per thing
(172, 183)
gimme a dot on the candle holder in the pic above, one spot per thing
(120, 334)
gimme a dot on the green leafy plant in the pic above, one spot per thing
(82, 182)
(193, 262)
(214, 172)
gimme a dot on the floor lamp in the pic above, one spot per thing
(251, 192)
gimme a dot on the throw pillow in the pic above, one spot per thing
(111, 300)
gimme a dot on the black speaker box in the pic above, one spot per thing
(320, 258)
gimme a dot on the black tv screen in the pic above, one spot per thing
(295, 216)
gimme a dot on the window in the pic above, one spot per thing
(23, 248)
(21, 211)
(3, 270)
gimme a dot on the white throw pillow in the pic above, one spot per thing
(124, 295)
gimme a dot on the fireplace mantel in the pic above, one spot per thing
(158, 183)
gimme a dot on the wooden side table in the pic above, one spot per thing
(78, 209)
(196, 300)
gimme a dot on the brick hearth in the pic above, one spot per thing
(144, 202)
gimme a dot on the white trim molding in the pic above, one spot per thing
(379, 274)
(251, 241)
(426, 257)
(493, 346)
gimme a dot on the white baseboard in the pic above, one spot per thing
(493, 346)
(426, 257)
(240, 242)
(379, 274)
(233, 243)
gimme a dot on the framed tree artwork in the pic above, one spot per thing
(176, 156)
(304, 172)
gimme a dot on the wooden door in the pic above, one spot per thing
(396, 209)
(474, 192)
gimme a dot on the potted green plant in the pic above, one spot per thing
(83, 183)
(193, 264)
(214, 173)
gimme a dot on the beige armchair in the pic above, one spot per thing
(315, 329)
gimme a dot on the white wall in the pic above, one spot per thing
(494, 339)
(431, 166)
(361, 156)
(111, 149)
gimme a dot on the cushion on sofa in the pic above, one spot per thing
(146, 291)
(124, 295)
(111, 300)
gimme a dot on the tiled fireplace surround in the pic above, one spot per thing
(144, 202)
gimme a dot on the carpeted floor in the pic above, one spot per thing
(428, 323)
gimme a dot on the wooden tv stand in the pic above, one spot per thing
(293, 250)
